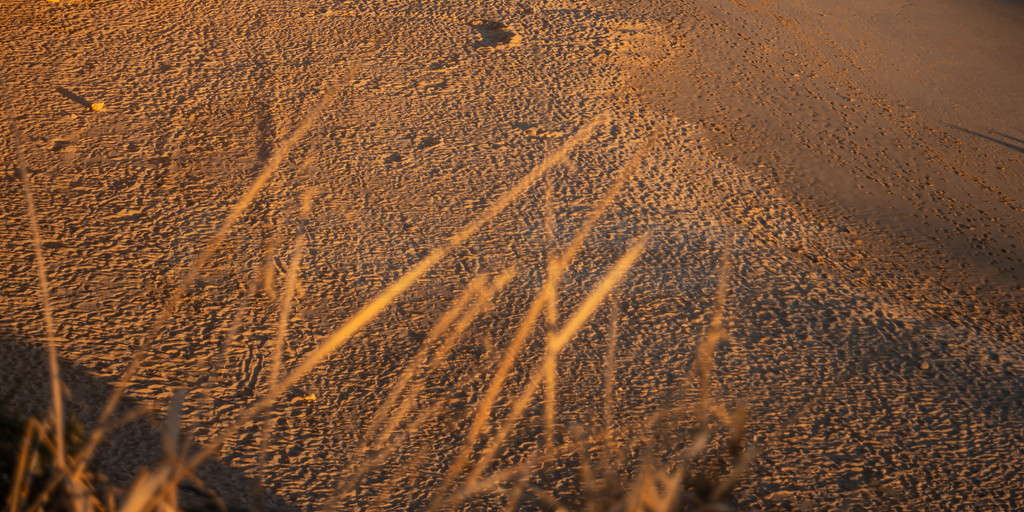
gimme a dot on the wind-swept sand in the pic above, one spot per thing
(904, 115)
(858, 165)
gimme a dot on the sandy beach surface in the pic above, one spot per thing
(852, 172)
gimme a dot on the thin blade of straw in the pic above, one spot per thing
(56, 396)
(558, 342)
(537, 307)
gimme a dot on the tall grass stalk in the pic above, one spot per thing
(716, 333)
(557, 266)
(285, 312)
(537, 306)
(555, 345)
(76, 489)
(610, 363)
(444, 349)
(56, 391)
(454, 312)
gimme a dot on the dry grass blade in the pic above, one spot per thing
(524, 399)
(382, 300)
(738, 428)
(621, 179)
(379, 456)
(589, 305)
(550, 372)
(555, 344)
(549, 213)
(483, 409)
(611, 478)
(408, 468)
(557, 266)
(158, 489)
(370, 310)
(439, 328)
(609, 370)
(56, 397)
(483, 304)
(537, 307)
(716, 333)
(656, 491)
(443, 350)
(516, 494)
(550, 294)
(146, 488)
(174, 450)
(171, 432)
(277, 357)
(739, 467)
(219, 364)
(228, 224)
(546, 497)
(550, 297)
(291, 284)
(495, 479)
(588, 478)
(26, 454)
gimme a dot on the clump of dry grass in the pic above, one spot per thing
(52, 473)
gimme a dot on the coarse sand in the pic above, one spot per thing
(852, 171)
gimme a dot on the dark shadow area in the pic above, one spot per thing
(492, 33)
(1015, 139)
(128, 449)
(73, 97)
(993, 139)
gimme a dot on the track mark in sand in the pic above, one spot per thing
(426, 141)
(446, 63)
(996, 137)
(495, 34)
(252, 366)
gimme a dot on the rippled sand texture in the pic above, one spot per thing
(852, 172)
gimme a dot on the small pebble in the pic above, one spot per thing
(925, 366)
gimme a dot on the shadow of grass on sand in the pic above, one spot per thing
(128, 449)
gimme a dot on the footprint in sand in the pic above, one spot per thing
(495, 34)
